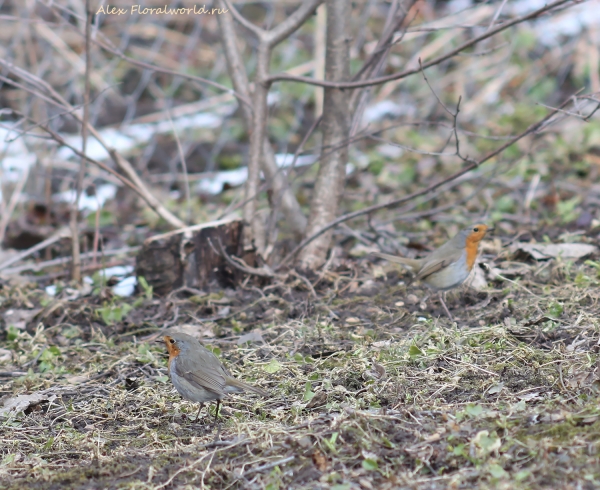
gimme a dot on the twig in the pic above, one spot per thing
(96, 240)
(412, 71)
(474, 366)
(61, 233)
(58, 100)
(199, 460)
(91, 267)
(235, 65)
(187, 229)
(573, 114)
(496, 274)
(453, 114)
(560, 373)
(12, 203)
(319, 40)
(270, 465)
(410, 149)
(374, 63)
(76, 265)
(65, 260)
(186, 182)
(267, 40)
(148, 66)
(497, 14)
(241, 265)
(376, 207)
(305, 281)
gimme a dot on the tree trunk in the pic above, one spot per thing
(331, 178)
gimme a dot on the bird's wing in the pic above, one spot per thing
(199, 368)
(440, 258)
(412, 263)
(431, 267)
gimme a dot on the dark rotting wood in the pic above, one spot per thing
(190, 257)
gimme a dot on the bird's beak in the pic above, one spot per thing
(491, 230)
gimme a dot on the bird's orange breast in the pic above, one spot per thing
(471, 249)
(172, 349)
(472, 245)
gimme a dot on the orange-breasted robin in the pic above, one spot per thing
(197, 373)
(448, 266)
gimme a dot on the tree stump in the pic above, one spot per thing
(190, 257)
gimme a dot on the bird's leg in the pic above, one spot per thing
(198, 414)
(217, 411)
(441, 294)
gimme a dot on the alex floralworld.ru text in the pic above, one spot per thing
(139, 9)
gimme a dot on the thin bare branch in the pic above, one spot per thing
(186, 180)
(257, 31)
(375, 62)
(454, 116)
(435, 61)
(12, 203)
(289, 204)
(283, 30)
(257, 138)
(190, 229)
(531, 129)
(75, 245)
(497, 14)
(39, 266)
(56, 236)
(293, 22)
(239, 264)
(121, 162)
(148, 66)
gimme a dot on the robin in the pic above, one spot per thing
(197, 373)
(448, 266)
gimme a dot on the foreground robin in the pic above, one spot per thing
(448, 266)
(197, 373)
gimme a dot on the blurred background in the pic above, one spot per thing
(187, 141)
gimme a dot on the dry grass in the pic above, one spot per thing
(382, 396)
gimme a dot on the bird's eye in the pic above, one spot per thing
(476, 229)
(172, 341)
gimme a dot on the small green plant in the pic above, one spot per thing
(112, 313)
(214, 349)
(272, 367)
(370, 465)
(145, 355)
(106, 218)
(567, 210)
(414, 352)
(146, 288)
(48, 358)
(330, 443)
(12, 333)
(308, 392)
(497, 471)
(555, 310)
(474, 411)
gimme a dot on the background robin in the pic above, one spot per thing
(197, 373)
(449, 265)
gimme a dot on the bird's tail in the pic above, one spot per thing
(414, 264)
(234, 383)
